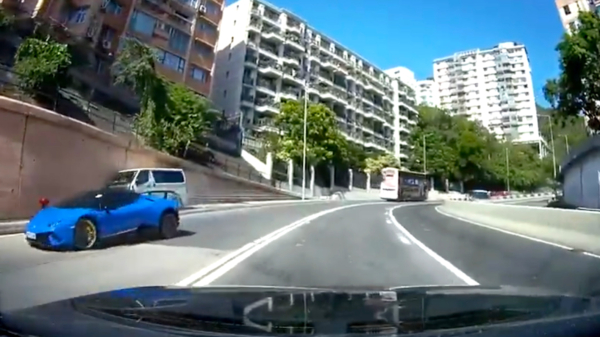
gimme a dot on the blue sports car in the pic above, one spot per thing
(83, 221)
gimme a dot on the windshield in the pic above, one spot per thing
(89, 199)
(294, 144)
(122, 178)
(480, 195)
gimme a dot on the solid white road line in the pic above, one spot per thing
(503, 230)
(457, 272)
(213, 271)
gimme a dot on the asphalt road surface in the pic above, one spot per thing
(318, 244)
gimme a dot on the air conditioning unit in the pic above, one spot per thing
(106, 44)
(202, 9)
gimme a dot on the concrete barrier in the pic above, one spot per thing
(576, 229)
(44, 154)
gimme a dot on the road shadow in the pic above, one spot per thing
(128, 239)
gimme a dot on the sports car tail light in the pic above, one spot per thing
(44, 202)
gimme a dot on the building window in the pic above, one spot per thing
(227, 74)
(566, 9)
(224, 93)
(178, 40)
(113, 8)
(229, 56)
(171, 61)
(78, 15)
(206, 28)
(142, 23)
(212, 8)
(199, 75)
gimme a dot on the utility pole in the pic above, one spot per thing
(306, 86)
(507, 171)
(553, 149)
(567, 143)
(424, 154)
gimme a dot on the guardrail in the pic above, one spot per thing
(573, 229)
(464, 197)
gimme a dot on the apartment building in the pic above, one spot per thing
(492, 86)
(428, 93)
(267, 54)
(569, 10)
(184, 33)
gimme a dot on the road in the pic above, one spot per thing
(318, 244)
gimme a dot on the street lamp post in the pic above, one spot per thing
(552, 144)
(507, 170)
(304, 136)
(424, 154)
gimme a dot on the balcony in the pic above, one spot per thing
(205, 37)
(292, 59)
(202, 88)
(255, 26)
(169, 73)
(292, 75)
(247, 100)
(294, 27)
(251, 60)
(268, 51)
(290, 93)
(265, 125)
(269, 67)
(273, 34)
(115, 21)
(185, 6)
(327, 62)
(294, 41)
(157, 6)
(213, 17)
(202, 61)
(266, 105)
(271, 17)
(266, 86)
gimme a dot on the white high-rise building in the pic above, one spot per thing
(568, 11)
(264, 55)
(428, 93)
(492, 86)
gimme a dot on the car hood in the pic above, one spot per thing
(51, 215)
(150, 311)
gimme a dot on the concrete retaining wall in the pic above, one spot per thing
(44, 154)
(572, 228)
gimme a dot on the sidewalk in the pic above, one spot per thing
(17, 226)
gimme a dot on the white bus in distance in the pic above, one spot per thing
(400, 185)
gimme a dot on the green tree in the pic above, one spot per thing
(42, 66)
(435, 128)
(324, 142)
(171, 115)
(135, 67)
(459, 149)
(376, 164)
(6, 21)
(577, 88)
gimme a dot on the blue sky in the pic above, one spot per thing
(406, 33)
